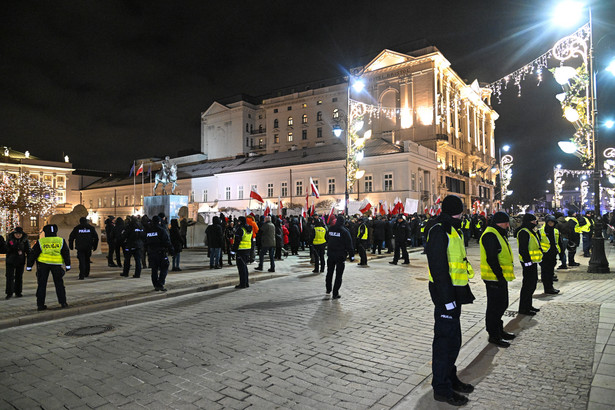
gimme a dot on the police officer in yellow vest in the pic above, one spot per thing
(242, 246)
(449, 272)
(465, 228)
(496, 270)
(362, 241)
(50, 252)
(319, 243)
(551, 244)
(585, 226)
(530, 255)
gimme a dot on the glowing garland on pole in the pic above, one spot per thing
(584, 192)
(506, 174)
(558, 182)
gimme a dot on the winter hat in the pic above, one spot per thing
(83, 220)
(50, 230)
(452, 205)
(527, 218)
(19, 229)
(500, 217)
(550, 218)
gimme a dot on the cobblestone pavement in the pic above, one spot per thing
(282, 344)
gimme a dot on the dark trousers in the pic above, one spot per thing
(400, 245)
(497, 303)
(42, 275)
(445, 349)
(547, 272)
(377, 245)
(111, 250)
(159, 263)
(587, 241)
(14, 278)
(530, 279)
(242, 267)
(136, 254)
(562, 255)
(335, 264)
(319, 257)
(466, 236)
(270, 250)
(84, 262)
(572, 250)
(361, 246)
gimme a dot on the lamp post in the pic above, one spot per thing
(564, 50)
(505, 167)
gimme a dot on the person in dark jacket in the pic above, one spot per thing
(564, 229)
(530, 255)
(574, 237)
(449, 289)
(229, 237)
(85, 239)
(118, 228)
(551, 245)
(267, 244)
(242, 245)
(184, 223)
(158, 247)
(17, 250)
(133, 238)
(109, 224)
(379, 235)
(215, 242)
(49, 252)
(401, 236)
(294, 236)
(178, 244)
(362, 241)
(339, 247)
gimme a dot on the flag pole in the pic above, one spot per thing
(134, 184)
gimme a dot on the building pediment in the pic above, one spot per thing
(214, 108)
(387, 58)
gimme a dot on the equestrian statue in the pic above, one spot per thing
(168, 174)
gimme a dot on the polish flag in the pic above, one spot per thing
(438, 200)
(386, 207)
(255, 195)
(312, 210)
(280, 206)
(331, 214)
(307, 201)
(364, 206)
(140, 170)
(382, 208)
(314, 189)
(267, 210)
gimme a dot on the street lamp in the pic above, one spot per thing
(564, 50)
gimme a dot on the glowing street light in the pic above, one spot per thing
(568, 147)
(609, 123)
(566, 14)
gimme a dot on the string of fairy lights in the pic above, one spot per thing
(22, 195)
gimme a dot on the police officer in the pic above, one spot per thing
(496, 270)
(585, 226)
(465, 228)
(158, 247)
(85, 239)
(530, 255)
(401, 235)
(339, 246)
(242, 246)
(362, 241)
(319, 243)
(574, 238)
(49, 252)
(17, 250)
(551, 244)
(449, 271)
(133, 238)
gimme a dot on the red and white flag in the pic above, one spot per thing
(267, 210)
(331, 214)
(280, 206)
(364, 206)
(140, 170)
(255, 195)
(387, 210)
(303, 212)
(312, 210)
(381, 208)
(438, 200)
(314, 189)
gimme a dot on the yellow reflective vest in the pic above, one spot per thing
(458, 266)
(364, 236)
(50, 250)
(465, 224)
(533, 247)
(319, 235)
(505, 258)
(587, 227)
(246, 240)
(545, 244)
(577, 228)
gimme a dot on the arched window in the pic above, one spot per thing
(290, 120)
(304, 119)
(319, 116)
(276, 123)
(336, 113)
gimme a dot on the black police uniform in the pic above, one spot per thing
(339, 246)
(17, 251)
(133, 237)
(401, 235)
(362, 244)
(85, 239)
(158, 246)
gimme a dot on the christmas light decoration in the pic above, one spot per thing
(23, 195)
(558, 181)
(506, 174)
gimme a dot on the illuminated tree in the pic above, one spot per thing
(26, 195)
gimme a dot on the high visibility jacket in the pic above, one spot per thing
(319, 235)
(478, 225)
(50, 250)
(246, 240)
(505, 258)
(465, 224)
(364, 235)
(577, 228)
(458, 266)
(533, 247)
(545, 244)
(587, 227)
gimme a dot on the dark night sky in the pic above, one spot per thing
(107, 82)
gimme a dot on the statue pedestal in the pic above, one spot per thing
(168, 204)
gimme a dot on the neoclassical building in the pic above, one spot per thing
(431, 134)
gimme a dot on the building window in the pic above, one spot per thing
(60, 182)
(388, 182)
(303, 134)
(299, 190)
(112, 201)
(316, 185)
(304, 119)
(91, 204)
(290, 121)
(104, 202)
(336, 113)
(334, 99)
(59, 197)
(369, 183)
(276, 123)
(133, 200)
(247, 142)
(290, 137)
(331, 186)
(275, 110)
(125, 200)
(227, 194)
(33, 221)
(319, 132)
(269, 190)
(289, 108)
(413, 181)
(204, 195)
(284, 189)
(247, 127)
(260, 143)
(319, 116)
(456, 185)
(319, 102)
(240, 192)
(99, 202)
(304, 105)
(191, 195)
(276, 138)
